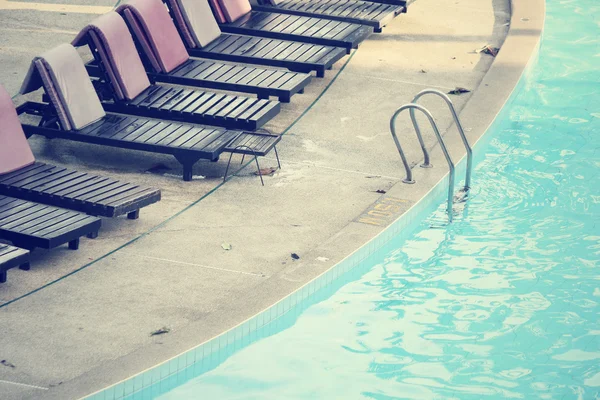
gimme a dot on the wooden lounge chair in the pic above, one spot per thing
(375, 14)
(187, 143)
(24, 178)
(110, 41)
(237, 16)
(156, 34)
(11, 257)
(29, 225)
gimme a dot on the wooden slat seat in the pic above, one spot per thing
(368, 13)
(199, 107)
(29, 225)
(295, 56)
(300, 29)
(11, 257)
(80, 191)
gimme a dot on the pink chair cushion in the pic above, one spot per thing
(15, 152)
(235, 9)
(218, 11)
(117, 45)
(162, 34)
(200, 21)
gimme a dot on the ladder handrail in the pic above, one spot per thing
(408, 178)
(458, 126)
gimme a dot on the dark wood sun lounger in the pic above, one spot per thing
(109, 39)
(11, 257)
(24, 178)
(29, 225)
(154, 30)
(187, 143)
(368, 13)
(237, 16)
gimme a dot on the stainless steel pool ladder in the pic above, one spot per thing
(426, 163)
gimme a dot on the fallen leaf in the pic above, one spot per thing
(160, 331)
(381, 191)
(295, 256)
(226, 246)
(423, 71)
(492, 51)
(459, 90)
(322, 259)
(7, 364)
(266, 171)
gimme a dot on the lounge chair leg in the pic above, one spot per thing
(188, 172)
(74, 244)
(188, 166)
(92, 235)
(277, 157)
(321, 73)
(2, 276)
(243, 157)
(285, 98)
(259, 173)
(301, 91)
(134, 214)
(25, 267)
(227, 168)
(378, 30)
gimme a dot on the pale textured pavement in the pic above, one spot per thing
(168, 268)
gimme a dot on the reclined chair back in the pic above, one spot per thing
(62, 74)
(15, 152)
(195, 21)
(230, 10)
(153, 27)
(109, 39)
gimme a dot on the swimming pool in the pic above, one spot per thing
(502, 303)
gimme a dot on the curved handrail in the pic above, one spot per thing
(408, 178)
(458, 126)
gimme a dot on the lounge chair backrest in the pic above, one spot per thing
(111, 38)
(38, 77)
(15, 152)
(234, 9)
(218, 11)
(180, 23)
(63, 75)
(161, 33)
(200, 21)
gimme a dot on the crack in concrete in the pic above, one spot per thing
(206, 266)
(24, 384)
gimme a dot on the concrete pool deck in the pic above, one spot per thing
(68, 337)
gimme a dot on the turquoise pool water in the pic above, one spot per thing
(502, 303)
